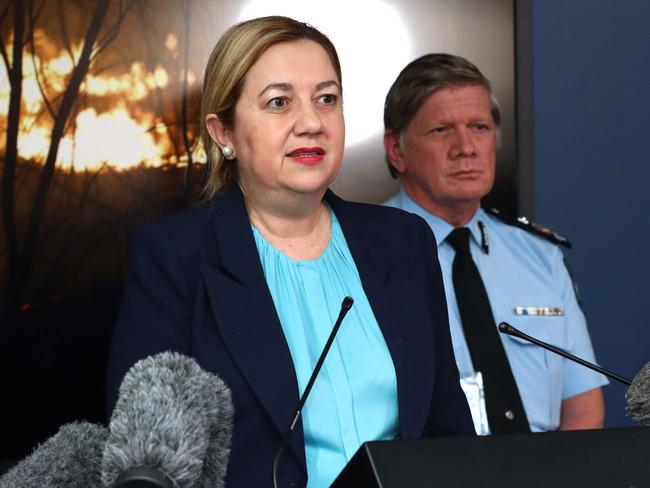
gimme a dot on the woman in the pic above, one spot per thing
(251, 282)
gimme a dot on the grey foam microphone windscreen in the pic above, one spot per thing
(72, 458)
(173, 416)
(638, 397)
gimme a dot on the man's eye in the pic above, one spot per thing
(481, 127)
(439, 130)
(277, 102)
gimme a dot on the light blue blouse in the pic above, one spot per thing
(354, 397)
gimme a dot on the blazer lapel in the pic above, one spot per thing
(245, 314)
(409, 341)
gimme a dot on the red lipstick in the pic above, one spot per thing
(307, 155)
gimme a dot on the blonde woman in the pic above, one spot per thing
(251, 282)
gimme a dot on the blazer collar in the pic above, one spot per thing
(371, 260)
(238, 253)
(235, 243)
(245, 314)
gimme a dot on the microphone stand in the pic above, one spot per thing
(508, 329)
(345, 307)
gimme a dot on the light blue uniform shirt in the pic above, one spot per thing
(354, 397)
(521, 270)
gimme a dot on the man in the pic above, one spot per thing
(442, 131)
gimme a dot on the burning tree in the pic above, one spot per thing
(25, 17)
(85, 30)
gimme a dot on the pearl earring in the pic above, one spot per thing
(227, 152)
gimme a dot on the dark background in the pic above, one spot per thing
(591, 171)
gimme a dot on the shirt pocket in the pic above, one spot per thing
(548, 329)
(538, 372)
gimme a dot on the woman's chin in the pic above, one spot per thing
(311, 188)
(310, 184)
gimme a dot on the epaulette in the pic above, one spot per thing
(527, 225)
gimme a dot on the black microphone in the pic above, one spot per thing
(508, 329)
(346, 305)
(638, 397)
(171, 427)
(71, 458)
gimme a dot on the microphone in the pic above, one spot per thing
(508, 329)
(346, 305)
(171, 427)
(638, 397)
(71, 458)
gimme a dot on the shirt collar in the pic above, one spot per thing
(441, 229)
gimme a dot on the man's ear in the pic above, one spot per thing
(393, 148)
(218, 132)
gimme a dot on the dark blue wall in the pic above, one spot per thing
(591, 102)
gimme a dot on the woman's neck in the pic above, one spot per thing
(299, 231)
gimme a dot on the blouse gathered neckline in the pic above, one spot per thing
(354, 397)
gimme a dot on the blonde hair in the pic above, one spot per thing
(225, 74)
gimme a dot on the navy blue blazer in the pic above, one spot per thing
(196, 286)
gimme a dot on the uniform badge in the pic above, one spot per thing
(485, 242)
(545, 311)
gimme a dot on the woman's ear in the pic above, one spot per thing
(218, 132)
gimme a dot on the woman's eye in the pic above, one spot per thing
(277, 102)
(328, 99)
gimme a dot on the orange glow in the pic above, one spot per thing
(33, 144)
(127, 134)
(134, 85)
(111, 137)
(31, 95)
(160, 77)
(191, 79)
(171, 43)
(4, 89)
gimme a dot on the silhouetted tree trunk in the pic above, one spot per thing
(15, 72)
(20, 263)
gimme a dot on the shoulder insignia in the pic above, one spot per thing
(575, 285)
(537, 229)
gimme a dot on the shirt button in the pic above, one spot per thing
(510, 415)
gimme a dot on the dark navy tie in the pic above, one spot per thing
(505, 410)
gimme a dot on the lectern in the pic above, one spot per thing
(594, 458)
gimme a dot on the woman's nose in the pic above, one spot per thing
(308, 120)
